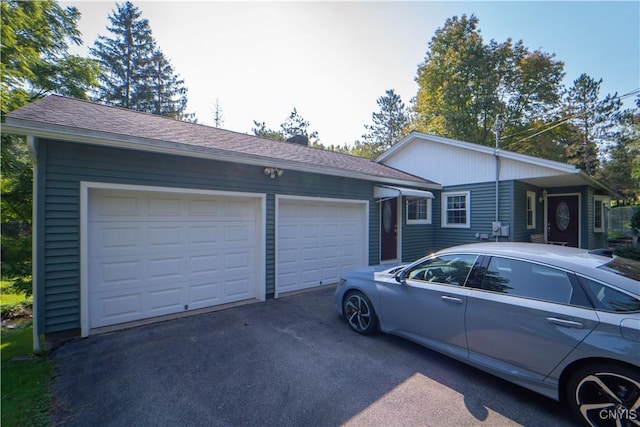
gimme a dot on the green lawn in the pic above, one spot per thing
(25, 378)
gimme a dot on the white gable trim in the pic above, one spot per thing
(395, 149)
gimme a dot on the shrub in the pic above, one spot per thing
(629, 251)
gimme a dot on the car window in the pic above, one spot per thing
(447, 269)
(609, 299)
(526, 279)
(624, 267)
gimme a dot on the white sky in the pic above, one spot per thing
(333, 60)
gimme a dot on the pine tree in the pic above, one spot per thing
(135, 72)
(389, 124)
(593, 123)
(218, 117)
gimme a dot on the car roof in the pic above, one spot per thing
(569, 258)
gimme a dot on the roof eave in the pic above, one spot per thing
(64, 133)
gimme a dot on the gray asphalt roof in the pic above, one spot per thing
(68, 116)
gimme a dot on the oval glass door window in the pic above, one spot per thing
(563, 216)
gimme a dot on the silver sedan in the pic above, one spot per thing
(563, 322)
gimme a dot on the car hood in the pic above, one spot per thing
(374, 272)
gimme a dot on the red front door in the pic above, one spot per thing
(563, 219)
(389, 229)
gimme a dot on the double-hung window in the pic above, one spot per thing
(456, 209)
(598, 214)
(531, 210)
(418, 211)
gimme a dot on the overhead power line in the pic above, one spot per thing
(559, 122)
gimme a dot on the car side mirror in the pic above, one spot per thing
(401, 276)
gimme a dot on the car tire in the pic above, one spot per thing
(359, 313)
(605, 395)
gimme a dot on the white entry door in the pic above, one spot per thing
(318, 240)
(153, 253)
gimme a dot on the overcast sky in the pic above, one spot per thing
(333, 60)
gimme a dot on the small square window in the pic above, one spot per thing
(418, 211)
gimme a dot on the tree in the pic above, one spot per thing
(621, 167)
(135, 72)
(464, 83)
(389, 124)
(296, 125)
(34, 62)
(595, 122)
(293, 125)
(260, 129)
(34, 57)
(218, 118)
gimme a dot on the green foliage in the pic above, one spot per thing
(635, 220)
(592, 121)
(389, 125)
(296, 125)
(25, 384)
(293, 125)
(135, 74)
(34, 55)
(629, 251)
(15, 215)
(260, 129)
(464, 83)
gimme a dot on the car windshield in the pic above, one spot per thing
(624, 267)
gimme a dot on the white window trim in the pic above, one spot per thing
(603, 200)
(445, 196)
(531, 196)
(428, 212)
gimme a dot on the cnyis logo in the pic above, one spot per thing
(619, 413)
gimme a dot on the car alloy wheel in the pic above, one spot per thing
(359, 313)
(606, 397)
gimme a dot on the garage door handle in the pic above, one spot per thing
(565, 323)
(451, 299)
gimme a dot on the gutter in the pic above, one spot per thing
(33, 151)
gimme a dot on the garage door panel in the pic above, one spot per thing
(115, 273)
(163, 269)
(119, 308)
(152, 254)
(312, 239)
(164, 236)
(202, 235)
(206, 264)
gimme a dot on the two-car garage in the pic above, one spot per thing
(151, 252)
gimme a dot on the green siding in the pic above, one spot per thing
(63, 165)
(483, 213)
(417, 239)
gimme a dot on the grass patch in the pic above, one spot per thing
(25, 378)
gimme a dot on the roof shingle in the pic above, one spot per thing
(58, 113)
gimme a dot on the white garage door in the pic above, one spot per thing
(152, 254)
(317, 241)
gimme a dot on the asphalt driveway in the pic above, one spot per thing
(290, 361)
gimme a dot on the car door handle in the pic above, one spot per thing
(565, 323)
(451, 299)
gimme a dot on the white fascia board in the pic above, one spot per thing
(65, 133)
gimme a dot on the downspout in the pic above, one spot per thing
(33, 151)
(498, 127)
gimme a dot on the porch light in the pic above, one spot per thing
(544, 195)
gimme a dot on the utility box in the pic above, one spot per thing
(504, 231)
